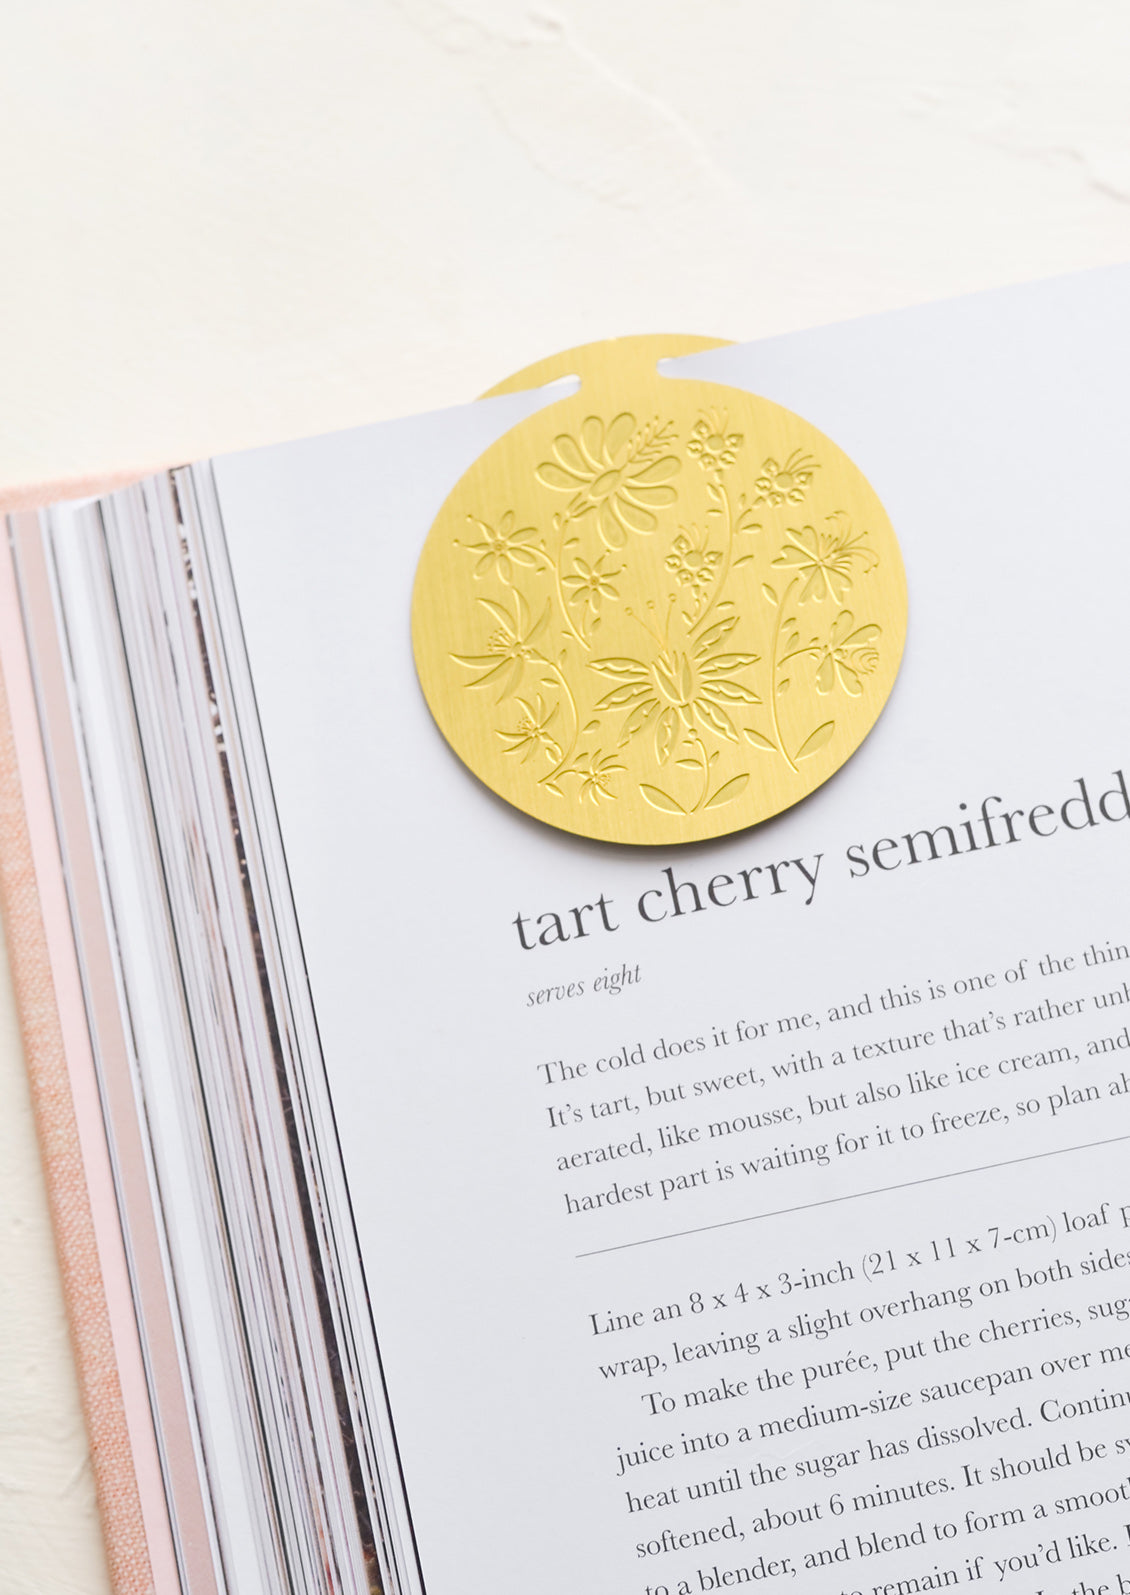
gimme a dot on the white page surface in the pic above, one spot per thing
(744, 1358)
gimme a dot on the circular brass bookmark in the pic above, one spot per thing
(658, 610)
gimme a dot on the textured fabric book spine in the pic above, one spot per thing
(111, 1450)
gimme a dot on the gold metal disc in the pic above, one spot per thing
(658, 610)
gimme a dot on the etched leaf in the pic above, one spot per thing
(769, 594)
(758, 740)
(726, 664)
(782, 686)
(717, 718)
(660, 800)
(541, 622)
(731, 691)
(819, 739)
(620, 696)
(501, 615)
(638, 718)
(665, 734)
(713, 635)
(509, 669)
(727, 793)
(630, 668)
(477, 661)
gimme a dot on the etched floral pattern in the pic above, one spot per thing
(682, 711)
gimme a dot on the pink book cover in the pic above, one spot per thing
(65, 1095)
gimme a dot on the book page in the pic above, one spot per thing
(752, 1213)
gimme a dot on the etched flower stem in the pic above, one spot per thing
(724, 573)
(782, 607)
(799, 653)
(555, 567)
(568, 691)
(705, 757)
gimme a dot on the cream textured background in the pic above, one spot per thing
(229, 221)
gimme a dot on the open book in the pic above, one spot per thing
(768, 1224)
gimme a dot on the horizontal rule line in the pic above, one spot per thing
(853, 1196)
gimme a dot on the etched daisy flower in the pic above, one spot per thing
(620, 473)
